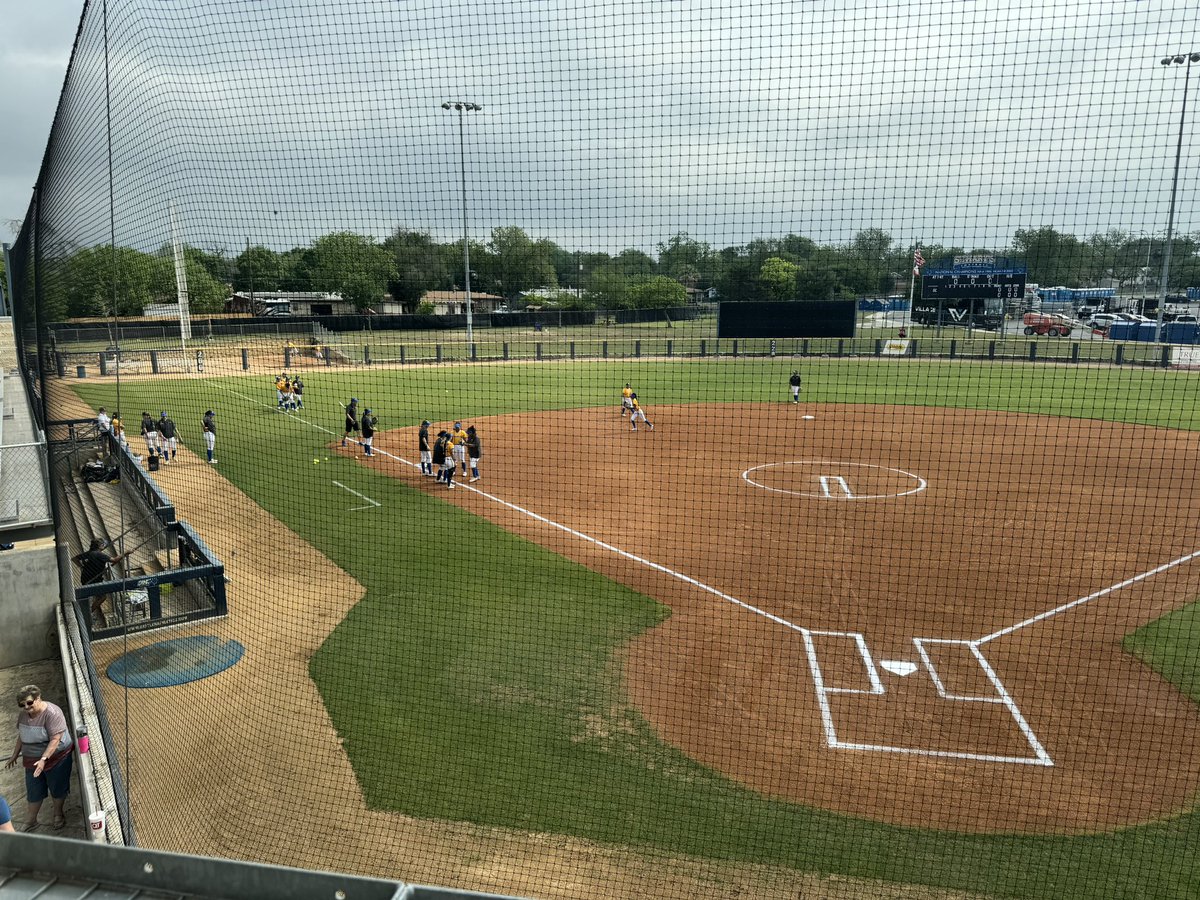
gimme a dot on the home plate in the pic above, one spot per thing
(899, 667)
(808, 417)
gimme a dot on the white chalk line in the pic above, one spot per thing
(1040, 757)
(810, 647)
(922, 484)
(372, 503)
(571, 531)
(826, 480)
(1092, 596)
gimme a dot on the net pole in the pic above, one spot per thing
(181, 286)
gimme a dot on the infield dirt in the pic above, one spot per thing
(889, 523)
(986, 543)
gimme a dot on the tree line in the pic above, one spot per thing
(104, 280)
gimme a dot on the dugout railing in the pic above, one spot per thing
(191, 583)
(195, 589)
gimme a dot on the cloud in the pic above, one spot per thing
(608, 125)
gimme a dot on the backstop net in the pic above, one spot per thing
(652, 449)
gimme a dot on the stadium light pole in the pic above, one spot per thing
(1185, 60)
(464, 107)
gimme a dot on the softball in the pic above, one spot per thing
(315, 461)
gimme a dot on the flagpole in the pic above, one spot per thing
(912, 281)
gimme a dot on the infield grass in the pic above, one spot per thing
(480, 678)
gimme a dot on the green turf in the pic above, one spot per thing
(480, 680)
(1171, 645)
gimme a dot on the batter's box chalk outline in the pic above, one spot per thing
(876, 688)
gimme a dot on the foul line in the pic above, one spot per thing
(1093, 596)
(822, 691)
(571, 531)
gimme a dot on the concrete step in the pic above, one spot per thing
(79, 518)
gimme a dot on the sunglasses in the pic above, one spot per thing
(27, 704)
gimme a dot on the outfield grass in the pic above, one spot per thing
(489, 668)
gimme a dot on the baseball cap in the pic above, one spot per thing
(458, 424)
(471, 428)
(209, 412)
(163, 414)
(424, 423)
(368, 409)
(353, 399)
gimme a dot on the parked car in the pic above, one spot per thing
(1102, 321)
(1086, 312)
(1187, 318)
(1134, 317)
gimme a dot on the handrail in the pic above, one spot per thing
(156, 500)
(91, 799)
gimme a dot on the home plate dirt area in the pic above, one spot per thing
(903, 613)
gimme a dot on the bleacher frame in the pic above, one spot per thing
(192, 589)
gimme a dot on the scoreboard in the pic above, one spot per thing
(969, 289)
(984, 286)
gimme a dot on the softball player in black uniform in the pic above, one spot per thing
(170, 442)
(351, 419)
(368, 430)
(423, 449)
(149, 434)
(474, 451)
(443, 459)
(209, 424)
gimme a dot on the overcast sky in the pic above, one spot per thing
(608, 124)
(34, 48)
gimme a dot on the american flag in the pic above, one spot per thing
(918, 261)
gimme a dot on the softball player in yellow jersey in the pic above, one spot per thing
(626, 400)
(638, 413)
(458, 446)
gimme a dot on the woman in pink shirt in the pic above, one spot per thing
(44, 746)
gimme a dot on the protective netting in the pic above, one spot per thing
(919, 621)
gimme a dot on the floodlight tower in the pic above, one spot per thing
(1185, 60)
(464, 107)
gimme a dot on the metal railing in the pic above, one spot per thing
(138, 482)
(24, 499)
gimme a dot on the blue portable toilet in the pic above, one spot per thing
(1147, 331)
(1122, 331)
(1180, 332)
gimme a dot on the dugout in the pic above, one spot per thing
(170, 576)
